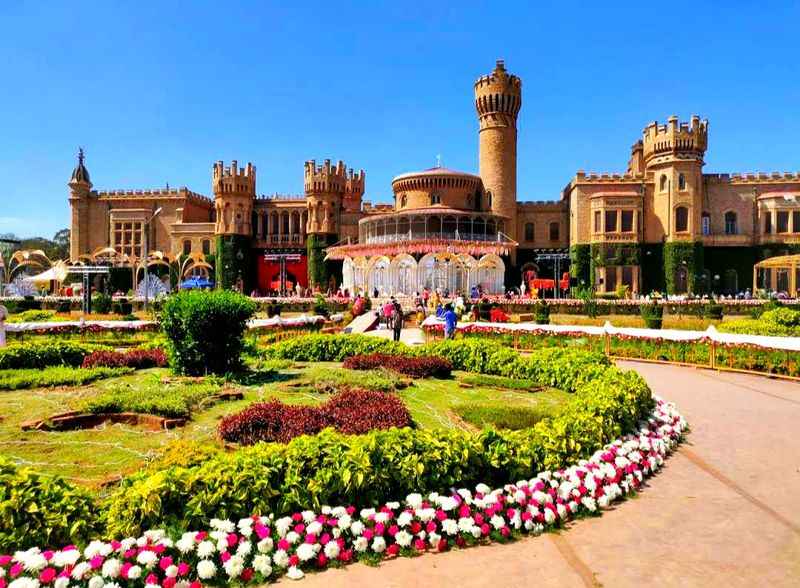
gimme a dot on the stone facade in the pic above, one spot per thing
(634, 228)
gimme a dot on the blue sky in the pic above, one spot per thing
(157, 91)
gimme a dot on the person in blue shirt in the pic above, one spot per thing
(450, 320)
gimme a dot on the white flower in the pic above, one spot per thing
(308, 516)
(403, 538)
(234, 566)
(80, 570)
(482, 489)
(147, 558)
(293, 537)
(206, 569)
(262, 564)
(379, 544)
(171, 571)
(414, 501)
(393, 505)
(134, 572)
(244, 548)
(97, 548)
(280, 558)
(294, 573)
(185, 545)
(434, 538)
(96, 582)
(497, 522)
(315, 527)
(61, 582)
(549, 516)
(357, 528)
(265, 545)
(66, 558)
(366, 513)
(111, 568)
(448, 503)
(361, 544)
(24, 582)
(465, 524)
(331, 550)
(589, 503)
(282, 526)
(344, 522)
(205, 549)
(111, 585)
(449, 527)
(225, 526)
(404, 519)
(476, 532)
(381, 517)
(305, 551)
(426, 514)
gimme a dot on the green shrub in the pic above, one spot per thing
(42, 511)
(542, 313)
(205, 330)
(174, 400)
(713, 311)
(122, 307)
(653, 315)
(321, 306)
(504, 416)
(41, 354)
(56, 376)
(778, 321)
(101, 303)
(330, 380)
(34, 316)
(331, 347)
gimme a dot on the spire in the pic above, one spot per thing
(80, 174)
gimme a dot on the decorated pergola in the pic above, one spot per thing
(778, 274)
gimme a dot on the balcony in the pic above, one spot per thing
(277, 241)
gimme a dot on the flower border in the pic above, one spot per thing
(262, 548)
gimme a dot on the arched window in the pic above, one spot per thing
(731, 227)
(705, 223)
(187, 247)
(662, 184)
(436, 199)
(681, 219)
(206, 247)
(489, 200)
(529, 231)
(403, 200)
(681, 182)
(554, 232)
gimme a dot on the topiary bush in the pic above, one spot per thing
(101, 303)
(653, 315)
(39, 510)
(205, 330)
(331, 347)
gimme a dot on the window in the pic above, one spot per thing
(783, 221)
(767, 222)
(611, 279)
(796, 221)
(529, 231)
(627, 276)
(611, 221)
(730, 223)
(681, 219)
(662, 185)
(627, 221)
(489, 200)
(206, 247)
(403, 200)
(436, 199)
(598, 221)
(681, 182)
(554, 231)
(127, 238)
(705, 223)
(187, 247)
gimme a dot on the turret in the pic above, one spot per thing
(80, 187)
(234, 191)
(498, 98)
(674, 140)
(329, 190)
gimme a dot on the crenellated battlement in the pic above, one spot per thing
(327, 178)
(498, 98)
(754, 178)
(182, 192)
(499, 78)
(542, 205)
(604, 177)
(676, 139)
(233, 179)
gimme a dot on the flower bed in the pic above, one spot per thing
(350, 411)
(416, 367)
(263, 547)
(135, 358)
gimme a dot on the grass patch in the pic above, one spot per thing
(498, 382)
(56, 376)
(327, 380)
(172, 399)
(502, 416)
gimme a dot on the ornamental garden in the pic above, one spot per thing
(196, 451)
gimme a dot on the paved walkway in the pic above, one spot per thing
(725, 511)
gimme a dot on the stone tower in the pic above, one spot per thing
(673, 159)
(80, 187)
(330, 192)
(234, 191)
(498, 98)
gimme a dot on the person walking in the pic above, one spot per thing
(397, 320)
(450, 321)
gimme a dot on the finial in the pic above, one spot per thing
(438, 161)
(80, 156)
(500, 65)
(167, 185)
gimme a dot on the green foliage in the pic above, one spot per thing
(35, 316)
(590, 306)
(205, 330)
(56, 376)
(101, 303)
(542, 313)
(41, 354)
(330, 380)
(611, 254)
(172, 400)
(485, 380)
(233, 261)
(40, 511)
(778, 322)
(331, 347)
(506, 416)
(682, 253)
(319, 270)
(653, 315)
(580, 264)
(321, 306)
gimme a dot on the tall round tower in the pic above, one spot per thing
(498, 98)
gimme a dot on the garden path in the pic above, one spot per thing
(725, 511)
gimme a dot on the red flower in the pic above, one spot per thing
(47, 575)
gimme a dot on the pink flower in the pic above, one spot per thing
(200, 536)
(47, 575)
(311, 538)
(297, 517)
(165, 562)
(441, 515)
(48, 555)
(299, 529)
(322, 561)
(393, 549)
(247, 574)
(485, 530)
(15, 570)
(393, 530)
(151, 579)
(430, 527)
(380, 529)
(262, 531)
(183, 568)
(324, 539)
(233, 539)
(420, 545)
(505, 531)
(5, 560)
(123, 571)
(96, 562)
(169, 582)
(442, 545)
(368, 534)
(225, 556)
(294, 560)
(283, 544)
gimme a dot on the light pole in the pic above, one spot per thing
(145, 254)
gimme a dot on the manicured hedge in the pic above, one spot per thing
(135, 358)
(416, 367)
(350, 411)
(332, 347)
(41, 354)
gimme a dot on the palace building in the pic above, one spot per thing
(662, 225)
